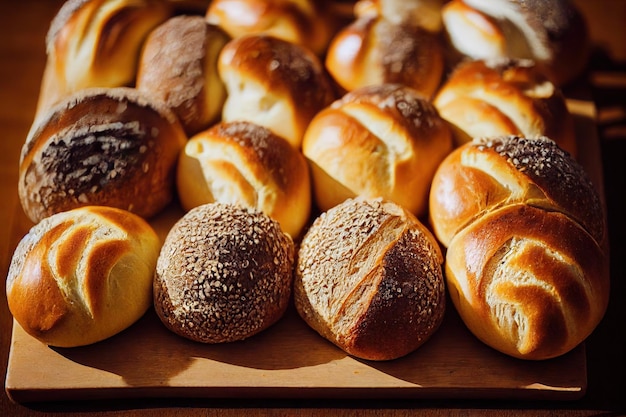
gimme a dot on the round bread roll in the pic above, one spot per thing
(95, 43)
(179, 66)
(82, 276)
(273, 83)
(303, 22)
(506, 97)
(243, 163)
(525, 232)
(423, 13)
(111, 146)
(551, 32)
(369, 279)
(374, 50)
(379, 141)
(225, 273)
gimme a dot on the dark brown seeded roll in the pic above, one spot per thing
(111, 147)
(369, 279)
(224, 274)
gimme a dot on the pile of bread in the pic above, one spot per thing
(365, 160)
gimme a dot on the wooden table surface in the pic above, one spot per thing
(23, 25)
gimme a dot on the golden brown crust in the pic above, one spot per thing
(369, 279)
(179, 66)
(225, 273)
(393, 138)
(83, 275)
(244, 163)
(114, 147)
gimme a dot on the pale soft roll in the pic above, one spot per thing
(374, 50)
(179, 66)
(379, 141)
(303, 22)
(82, 276)
(369, 279)
(505, 97)
(243, 163)
(273, 83)
(103, 146)
(96, 43)
(526, 260)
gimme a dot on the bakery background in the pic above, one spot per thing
(604, 81)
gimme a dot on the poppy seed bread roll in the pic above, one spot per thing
(81, 276)
(369, 279)
(104, 146)
(225, 273)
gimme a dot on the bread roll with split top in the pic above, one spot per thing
(104, 146)
(369, 279)
(374, 50)
(96, 43)
(551, 32)
(224, 273)
(178, 65)
(379, 141)
(243, 163)
(273, 83)
(525, 233)
(505, 97)
(82, 276)
(307, 23)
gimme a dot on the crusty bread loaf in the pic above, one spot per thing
(369, 279)
(304, 22)
(273, 83)
(179, 66)
(81, 276)
(379, 141)
(225, 273)
(243, 163)
(551, 32)
(526, 237)
(374, 50)
(505, 97)
(96, 43)
(103, 146)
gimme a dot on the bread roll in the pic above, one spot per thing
(303, 22)
(96, 43)
(81, 276)
(243, 163)
(225, 273)
(379, 141)
(374, 50)
(179, 66)
(273, 83)
(551, 32)
(525, 234)
(369, 279)
(508, 97)
(425, 14)
(113, 147)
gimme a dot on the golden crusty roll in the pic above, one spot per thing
(374, 50)
(179, 66)
(96, 43)
(369, 279)
(224, 273)
(81, 276)
(243, 163)
(551, 32)
(505, 97)
(378, 141)
(526, 235)
(423, 13)
(103, 146)
(303, 22)
(273, 83)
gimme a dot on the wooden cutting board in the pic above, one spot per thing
(290, 360)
